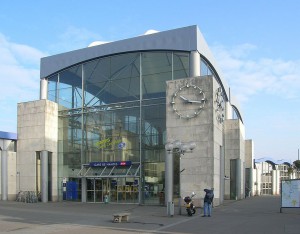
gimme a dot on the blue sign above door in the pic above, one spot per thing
(110, 164)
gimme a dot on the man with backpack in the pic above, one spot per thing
(208, 200)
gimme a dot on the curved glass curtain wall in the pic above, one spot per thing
(117, 99)
(205, 69)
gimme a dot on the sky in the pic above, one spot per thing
(255, 43)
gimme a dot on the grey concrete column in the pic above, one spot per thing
(238, 178)
(4, 175)
(194, 64)
(274, 182)
(251, 184)
(44, 175)
(258, 182)
(228, 110)
(43, 89)
(222, 174)
(83, 189)
(169, 177)
(278, 182)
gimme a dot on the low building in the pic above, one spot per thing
(268, 174)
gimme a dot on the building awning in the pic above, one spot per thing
(109, 170)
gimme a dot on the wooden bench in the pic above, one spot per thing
(119, 217)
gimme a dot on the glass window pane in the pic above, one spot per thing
(70, 84)
(180, 65)
(113, 79)
(106, 135)
(157, 69)
(52, 88)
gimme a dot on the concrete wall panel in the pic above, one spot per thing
(37, 131)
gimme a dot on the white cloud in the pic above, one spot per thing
(247, 76)
(269, 91)
(150, 31)
(20, 68)
(19, 77)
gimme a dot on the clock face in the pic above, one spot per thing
(188, 101)
(220, 105)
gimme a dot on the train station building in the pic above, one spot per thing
(99, 131)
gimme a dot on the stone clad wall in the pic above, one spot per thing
(37, 131)
(234, 150)
(202, 166)
(11, 176)
(249, 150)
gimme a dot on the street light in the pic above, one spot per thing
(174, 147)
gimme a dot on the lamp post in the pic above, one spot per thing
(174, 147)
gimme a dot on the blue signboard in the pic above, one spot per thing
(121, 145)
(110, 164)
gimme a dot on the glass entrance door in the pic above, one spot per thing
(118, 190)
(125, 190)
(97, 188)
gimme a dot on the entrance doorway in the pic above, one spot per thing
(117, 190)
(96, 189)
(111, 181)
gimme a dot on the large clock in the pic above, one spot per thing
(188, 101)
(220, 105)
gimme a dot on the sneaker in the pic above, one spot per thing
(209, 216)
(203, 215)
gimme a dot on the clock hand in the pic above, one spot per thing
(184, 98)
(194, 101)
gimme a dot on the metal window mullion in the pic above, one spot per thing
(137, 170)
(111, 170)
(103, 171)
(57, 89)
(140, 129)
(172, 65)
(87, 171)
(128, 170)
(79, 173)
(82, 103)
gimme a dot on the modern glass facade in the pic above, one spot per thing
(113, 109)
(104, 119)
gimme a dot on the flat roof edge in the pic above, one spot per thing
(8, 135)
(181, 39)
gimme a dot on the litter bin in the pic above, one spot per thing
(106, 199)
(170, 209)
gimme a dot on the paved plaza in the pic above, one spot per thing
(252, 215)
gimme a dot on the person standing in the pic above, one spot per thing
(208, 199)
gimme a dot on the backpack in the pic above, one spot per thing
(210, 196)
